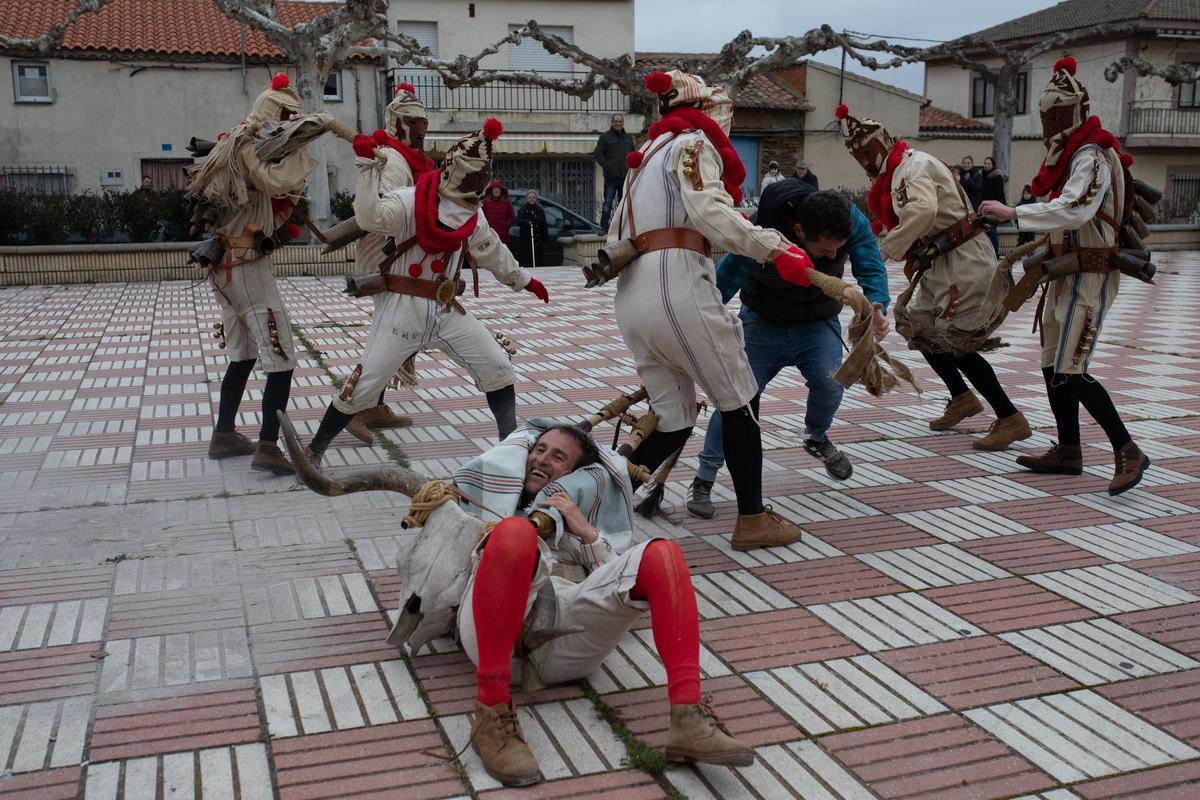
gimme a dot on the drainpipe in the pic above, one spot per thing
(358, 126)
(842, 75)
(242, 47)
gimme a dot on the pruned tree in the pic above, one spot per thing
(1173, 74)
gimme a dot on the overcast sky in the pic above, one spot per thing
(705, 25)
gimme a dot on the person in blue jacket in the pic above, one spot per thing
(787, 325)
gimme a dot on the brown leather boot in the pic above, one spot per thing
(1060, 459)
(697, 735)
(496, 736)
(224, 444)
(1131, 464)
(383, 417)
(1004, 432)
(957, 409)
(269, 458)
(767, 529)
(358, 429)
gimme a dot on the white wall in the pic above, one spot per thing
(112, 114)
(824, 150)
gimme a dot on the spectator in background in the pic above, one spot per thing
(1026, 198)
(992, 188)
(498, 210)
(611, 148)
(807, 175)
(772, 174)
(970, 177)
(532, 220)
(147, 184)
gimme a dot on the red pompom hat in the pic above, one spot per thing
(267, 105)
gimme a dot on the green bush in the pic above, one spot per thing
(28, 218)
(342, 205)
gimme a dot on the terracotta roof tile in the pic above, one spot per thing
(933, 118)
(160, 27)
(1072, 14)
(762, 91)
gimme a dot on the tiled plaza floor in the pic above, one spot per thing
(949, 627)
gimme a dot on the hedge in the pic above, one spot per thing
(28, 218)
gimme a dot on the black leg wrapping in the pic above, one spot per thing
(331, 425)
(233, 386)
(743, 455)
(658, 446)
(381, 393)
(981, 375)
(943, 365)
(503, 403)
(275, 398)
(1096, 400)
(1064, 406)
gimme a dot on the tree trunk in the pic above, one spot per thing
(1004, 105)
(310, 85)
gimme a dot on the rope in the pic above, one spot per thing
(431, 496)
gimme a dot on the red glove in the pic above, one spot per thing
(364, 146)
(793, 265)
(538, 290)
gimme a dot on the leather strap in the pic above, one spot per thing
(441, 291)
(672, 239)
(1096, 259)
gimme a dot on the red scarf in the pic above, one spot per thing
(1050, 180)
(682, 118)
(432, 237)
(879, 198)
(418, 162)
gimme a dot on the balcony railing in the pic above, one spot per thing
(1163, 118)
(500, 96)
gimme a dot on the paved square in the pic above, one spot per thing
(949, 627)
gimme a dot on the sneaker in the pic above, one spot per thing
(836, 463)
(699, 503)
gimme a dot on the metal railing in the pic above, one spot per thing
(1185, 196)
(501, 96)
(39, 178)
(1164, 118)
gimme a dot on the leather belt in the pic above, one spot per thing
(443, 291)
(1096, 259)
(672, 239)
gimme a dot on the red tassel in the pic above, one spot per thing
(1066, 63)
(222, 135)
(842, 111)
(291, 230)
(280, 81)
(634, 160)
(658, 82)
(405, 87)
(492, 129)
(1126, 160)
(876, 227)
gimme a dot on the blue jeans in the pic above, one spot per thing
(612, 196)
(814, 348)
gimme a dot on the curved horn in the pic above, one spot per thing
(386, 477)
(614, 408)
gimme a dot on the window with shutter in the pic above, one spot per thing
(531, 56)
(31, 82)
(426, 82)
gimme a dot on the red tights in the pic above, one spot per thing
(502, 589)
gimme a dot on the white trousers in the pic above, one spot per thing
(250, 308)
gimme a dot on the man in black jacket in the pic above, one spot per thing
(611, 148)
(790, 325)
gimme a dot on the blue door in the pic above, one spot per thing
(747, 150)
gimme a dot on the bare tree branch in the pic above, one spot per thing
(1173, 74)
(52, 38)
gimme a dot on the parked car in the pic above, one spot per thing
(560, 221)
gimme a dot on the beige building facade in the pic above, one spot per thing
(1158, 124)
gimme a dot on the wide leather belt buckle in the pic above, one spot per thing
(445, 292)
